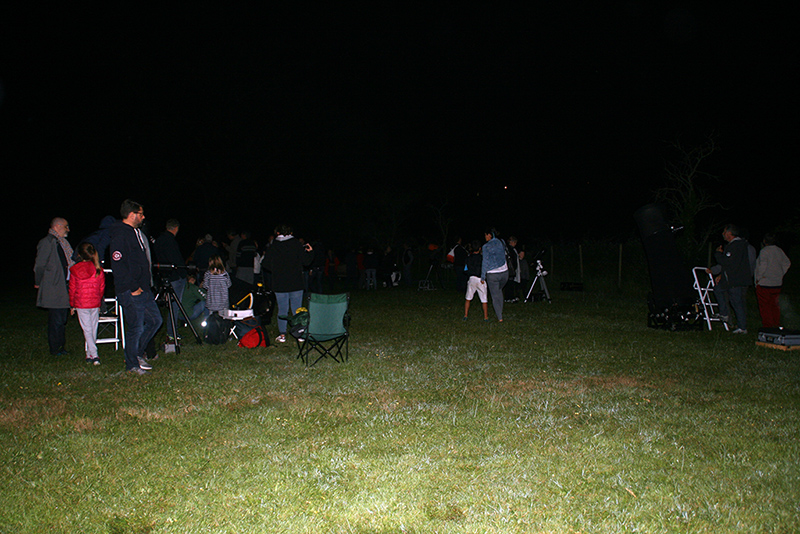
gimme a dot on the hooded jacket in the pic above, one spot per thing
(285, 259)
(86, 287)
(130, 260)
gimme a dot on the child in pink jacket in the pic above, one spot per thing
(87, 285)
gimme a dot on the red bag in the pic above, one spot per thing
(254, 338)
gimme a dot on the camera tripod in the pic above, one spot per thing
(540, 274)
(166, 294)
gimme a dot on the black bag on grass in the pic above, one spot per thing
(217, 330)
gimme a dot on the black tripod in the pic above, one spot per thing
(166, 294)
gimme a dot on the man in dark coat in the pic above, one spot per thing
(172, 269)
(51, 271)
(733, 274)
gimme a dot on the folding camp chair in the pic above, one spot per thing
(327, 332)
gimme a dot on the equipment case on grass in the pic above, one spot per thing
(782, 337)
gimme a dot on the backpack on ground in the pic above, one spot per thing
(256, 337)
(217, 330)
(296, 324)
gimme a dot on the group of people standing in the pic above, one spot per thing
(69, 281)
(738, 267)
(492, 270)
(73, 281)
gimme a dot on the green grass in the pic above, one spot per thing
(568, 417)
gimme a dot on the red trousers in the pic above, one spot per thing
(768, 306)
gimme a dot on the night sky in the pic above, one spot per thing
(547, 122)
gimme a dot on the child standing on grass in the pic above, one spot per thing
(474, 282)
(87, 285)
(216, 282)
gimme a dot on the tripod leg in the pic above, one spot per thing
(528, 297)
(546, 292)
(170, 300)
(172, 297)
(188, 322)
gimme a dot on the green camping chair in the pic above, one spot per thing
(327, 332)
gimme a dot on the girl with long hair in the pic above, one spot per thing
(87, 285)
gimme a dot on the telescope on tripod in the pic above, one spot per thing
(166, 294)
(540, 274)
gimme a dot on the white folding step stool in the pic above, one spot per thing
(704, 284)
(111, 325)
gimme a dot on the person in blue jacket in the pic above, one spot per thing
(131, 264)
(494, 270)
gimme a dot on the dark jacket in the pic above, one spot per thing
(129, 259)
(169, 253)
(99, 239)
(474, 264)
(285, 260)
(50, 274)
(736, 265)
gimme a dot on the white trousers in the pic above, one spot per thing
(88, 318)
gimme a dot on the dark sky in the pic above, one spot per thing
(549, 122)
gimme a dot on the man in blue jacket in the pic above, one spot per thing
(131, 264)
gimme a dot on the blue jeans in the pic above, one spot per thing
(142, 321)
(735, 298)
(197, 311)
(287, 304)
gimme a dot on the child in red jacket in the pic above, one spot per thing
(87, 285)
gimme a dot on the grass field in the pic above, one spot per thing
(568, 417)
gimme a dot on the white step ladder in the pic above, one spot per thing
(111, 324)
(704, 285)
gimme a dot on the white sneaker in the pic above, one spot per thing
(281, 338)
(739, 331)
(144, 365)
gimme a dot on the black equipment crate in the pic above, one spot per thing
(779, 336)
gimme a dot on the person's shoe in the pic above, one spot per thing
(740, 331)
(137, 371)
(465, 317)
(281, 338)
(95, 361)
(144, 365)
